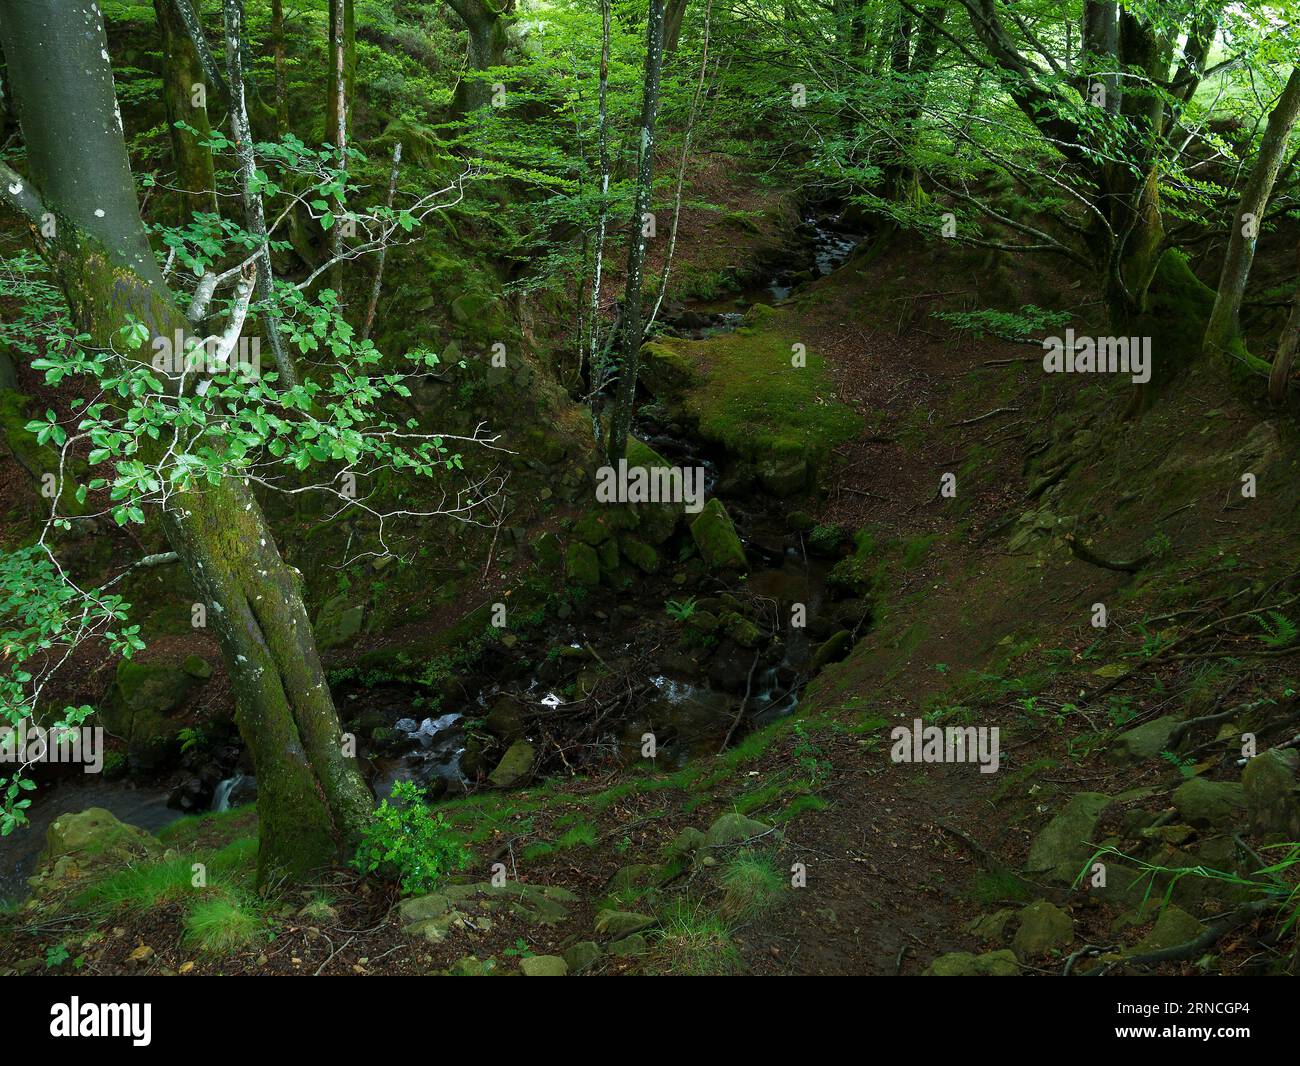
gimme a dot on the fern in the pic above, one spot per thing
(1184, 766)
(1279, 630)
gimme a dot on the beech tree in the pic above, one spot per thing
(487, 22)
(1248, 219)
(185, 97)
(188, 441)
(633, 328)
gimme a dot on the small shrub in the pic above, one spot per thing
(410, 843)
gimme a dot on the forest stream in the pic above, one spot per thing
(689, 708)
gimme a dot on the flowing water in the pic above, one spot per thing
(694, 707)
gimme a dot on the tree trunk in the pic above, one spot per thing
(674, 15)
(194, 28)
(1280, 376)
(1222, 331)
(596, 366)
(902, 180)
(254, 215)
(625, 399)
(343, 50)
(343, 69)
(182, 77)
(486, 21)
(281, 68)
(312, 802)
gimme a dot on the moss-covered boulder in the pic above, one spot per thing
(93, 841)
(1044, 927)
(716, 538)
(515, 764)
(1065, 844)
(582, 955)
(141, 706)
(639, 554)
(546, 550)
(582, 565)
(736, 828)
(544, 966)
(1272, 788)
(1174, 926)
(1204, 803)
(784, 476)
(834, 649)
(1144, 742)
(614, 925)
(339, 622)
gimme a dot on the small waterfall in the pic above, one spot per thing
(221, 796)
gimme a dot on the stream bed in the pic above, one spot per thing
(689, 706)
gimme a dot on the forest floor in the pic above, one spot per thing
(982, 616)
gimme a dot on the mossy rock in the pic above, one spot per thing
(751, 392)
(92, 841)
(1065, 844)
(582, 955)
(1143, 742)
(614, 925)
(338, 623)
(963, 964)
(834, 649)
(1273, 794)
(1205, 803)
(1174, 927)
(785, 476)
(582, 565)
(639, 554)
(544, 966)
(139, 709)
(546, 550)
(1044, 927)
(515, 764)
(740, 629)
(609, 557)
(736, 828)
(716, 538)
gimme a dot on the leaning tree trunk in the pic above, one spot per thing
(185, 98)
(625, 396)
(1222, 330)
(312, 802)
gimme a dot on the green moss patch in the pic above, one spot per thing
(746, 393)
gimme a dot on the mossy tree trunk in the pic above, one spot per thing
(625, 392)
(1223, 329)
(911, 67)
(1280, 375)
(312, 802)
(184, 95)
(487, 22)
